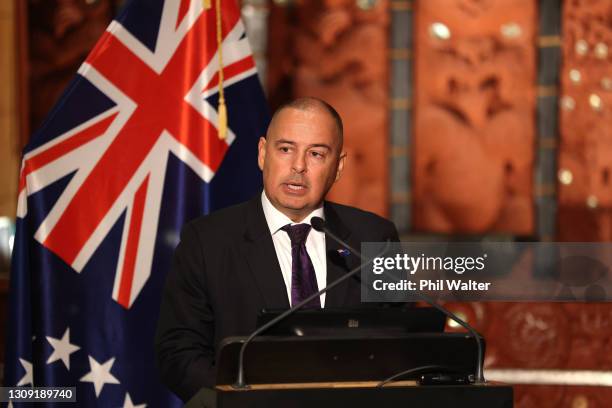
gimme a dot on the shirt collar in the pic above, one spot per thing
(276, 219)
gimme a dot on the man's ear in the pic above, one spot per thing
(261, 154)
(340, 166)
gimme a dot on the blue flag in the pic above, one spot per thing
(134, 148)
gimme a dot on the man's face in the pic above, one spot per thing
(300, 160)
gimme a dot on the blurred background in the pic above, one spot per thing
(464, 120)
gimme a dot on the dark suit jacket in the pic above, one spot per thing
(225, 271)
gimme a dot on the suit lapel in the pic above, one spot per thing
(337, 263)
(260, 254)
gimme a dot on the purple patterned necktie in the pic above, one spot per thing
(303, 278)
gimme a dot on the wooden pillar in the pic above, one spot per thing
(400, 137)
(9, 115)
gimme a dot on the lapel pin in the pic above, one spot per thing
(344, 252)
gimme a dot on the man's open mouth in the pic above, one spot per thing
(297, 187)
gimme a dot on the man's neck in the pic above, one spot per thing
(297, 218)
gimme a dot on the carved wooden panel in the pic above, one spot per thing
(585, 187)
(585, 150)
(474, 116)
(61, 34)
(566, 336)
(338, 51)
(532, 396)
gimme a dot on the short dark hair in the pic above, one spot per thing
(310, 103)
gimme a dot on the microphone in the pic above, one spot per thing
(240, 383)
(319, 224)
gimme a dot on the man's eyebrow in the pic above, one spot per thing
(284, 141)
(291, 142)
(326, 146)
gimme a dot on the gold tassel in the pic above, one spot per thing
(222, 120)
(206, 4)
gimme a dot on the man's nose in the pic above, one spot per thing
(299, 163)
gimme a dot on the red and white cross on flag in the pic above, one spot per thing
(119, 157)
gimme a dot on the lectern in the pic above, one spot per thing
(296, 372)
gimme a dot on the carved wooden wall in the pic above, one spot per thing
(474, 128)
(474, 157)
(474, 116)
(337, 50)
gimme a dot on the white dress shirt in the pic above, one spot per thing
(315, 244)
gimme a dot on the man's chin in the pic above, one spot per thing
(296, 208)
(294, 205)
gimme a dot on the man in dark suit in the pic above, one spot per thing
(263, 253)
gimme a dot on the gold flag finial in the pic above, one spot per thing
(206, 4)
(222, 120)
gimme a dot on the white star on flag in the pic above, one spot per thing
(100, 374)
(28, 377)
(128, 402)
(62, 349)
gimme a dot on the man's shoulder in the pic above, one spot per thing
(226, 221)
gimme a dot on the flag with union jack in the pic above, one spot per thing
(129, 153)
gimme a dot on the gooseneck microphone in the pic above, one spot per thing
(320, 225)
(241, 383)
